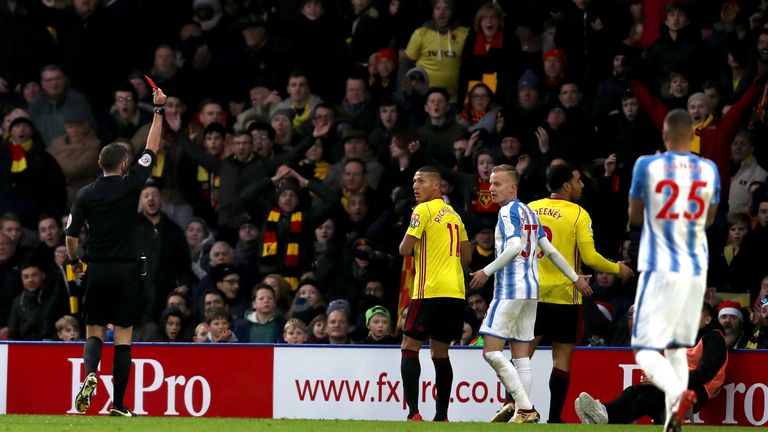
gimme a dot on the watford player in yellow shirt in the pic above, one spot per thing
(569, 229)
(440, 247)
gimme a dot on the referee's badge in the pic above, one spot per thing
(145, 160)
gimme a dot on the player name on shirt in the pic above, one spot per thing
(544, 211)
(442, 212)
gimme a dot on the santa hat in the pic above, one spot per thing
(730, 308)
(388, 53)
(606, 309)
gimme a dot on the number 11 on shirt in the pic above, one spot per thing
(455, 239)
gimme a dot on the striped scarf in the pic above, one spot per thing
(19, 156)
(157, 168)
(211, 185)
(697, 128)
(270, 248)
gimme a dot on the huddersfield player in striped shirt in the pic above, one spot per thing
(438, 241)
(674, 195)
(512, 313)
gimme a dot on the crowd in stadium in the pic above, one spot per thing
(293, 129)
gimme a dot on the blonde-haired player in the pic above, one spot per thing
(512, 313)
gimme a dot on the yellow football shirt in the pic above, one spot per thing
(439, 54)
(569, 229)
(437, 252)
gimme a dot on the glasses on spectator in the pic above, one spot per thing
(122, 99)
(261, 137)
(480, 96)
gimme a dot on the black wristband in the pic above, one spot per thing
(160, 105)
(159, 110)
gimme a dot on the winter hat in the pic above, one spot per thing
(340, 304)
(528, 79)
(286, 185)
(730, 308)
(376, 310)
(557, 53)
(287, 112)
(221, 271)
(388, 53)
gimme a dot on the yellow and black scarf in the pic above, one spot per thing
(270, 248)
(211, 185)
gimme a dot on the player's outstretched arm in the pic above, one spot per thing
(153, 139)
(512, 249)
(580, 281)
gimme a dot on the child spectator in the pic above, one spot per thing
(172, 320)
(295, 332)
(317, 327)
(261, 324)
(201, 332)
(67, 329)
(379, 326)
(218, 321)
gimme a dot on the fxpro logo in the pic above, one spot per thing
(195, 388)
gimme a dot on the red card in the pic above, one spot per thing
(152, 83)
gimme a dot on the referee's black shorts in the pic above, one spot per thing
(439, 318)
(113, 293)
(559, 323)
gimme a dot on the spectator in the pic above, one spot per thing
(437, 47)
(308, 302)
(355, 148)
(356, 108)
(219, 322)
(295, 332)
(33, 182)
(227, 280)
(287, 227)
(172, 322)
(67, 329)
(379, 326)
(125, 117)
(490, 52)
(731, 317)
(382, 83)
(300, 100)
(480, 111)
(478, 302)
(337, 326)
(200, 241)
(162, 242)
(317, 328)
(748, 171)
(261, 324)
(201, 332)
(440, 129)
(76, 151)
(26, 320)
(56, 103)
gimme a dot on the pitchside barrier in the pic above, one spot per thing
(321, 382)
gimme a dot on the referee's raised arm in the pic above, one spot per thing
(153, 139)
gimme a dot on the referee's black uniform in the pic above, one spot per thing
(112, 281)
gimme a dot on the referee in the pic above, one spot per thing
(112, 284)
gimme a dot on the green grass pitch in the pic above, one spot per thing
(39, 423)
